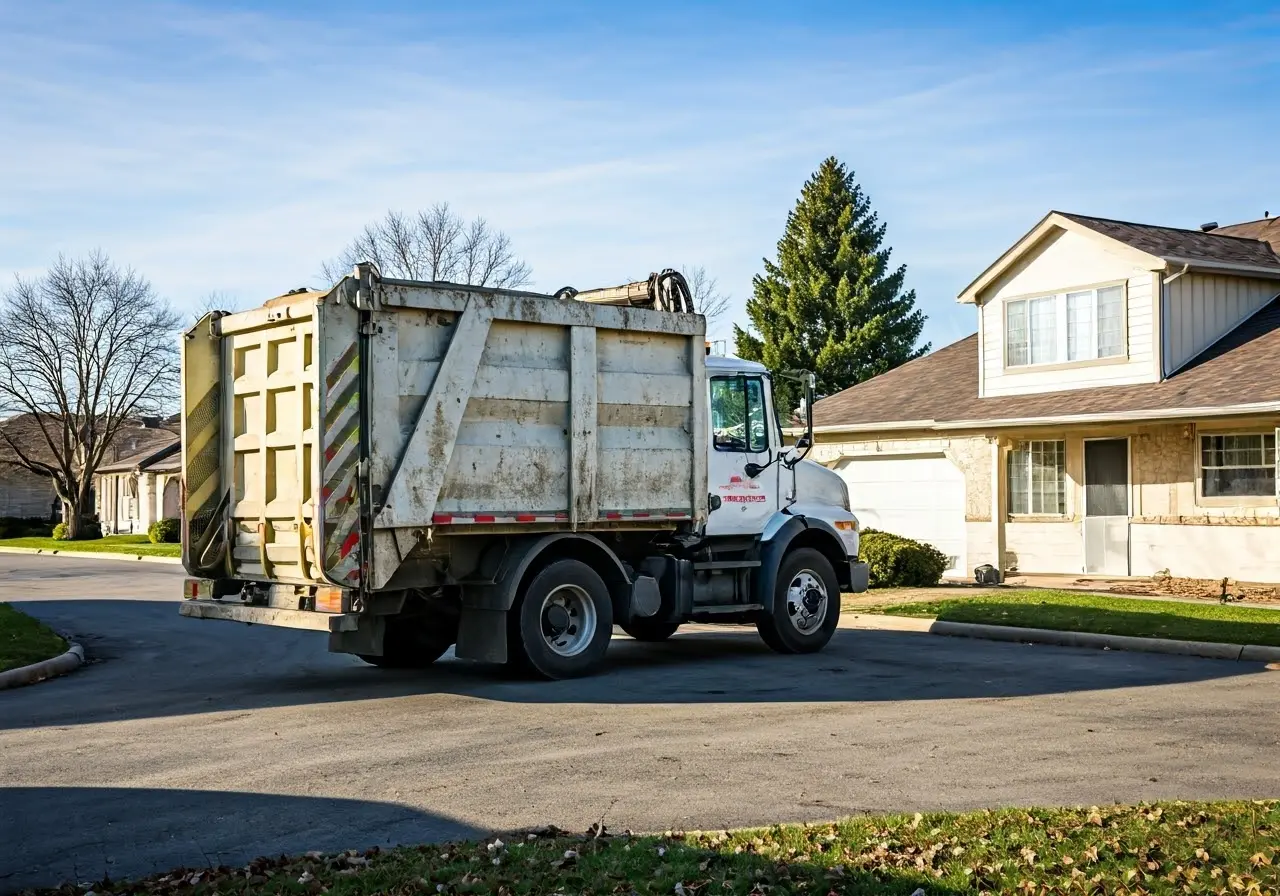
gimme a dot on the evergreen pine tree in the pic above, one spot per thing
(829, 303)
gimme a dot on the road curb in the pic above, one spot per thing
(1249, 653)
(95, 555)
(50, 668)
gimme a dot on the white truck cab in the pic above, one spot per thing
(410, 466)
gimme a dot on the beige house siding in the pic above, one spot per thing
(1062, 263)
(1202, 308)
(24, 494)
(1172, 527)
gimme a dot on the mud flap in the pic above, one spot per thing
(482, 635)
(367, 639)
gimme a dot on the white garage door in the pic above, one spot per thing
(919, 497)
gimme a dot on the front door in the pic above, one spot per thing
(1106, 506)
(740, 435)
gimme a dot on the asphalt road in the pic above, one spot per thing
(188, 742)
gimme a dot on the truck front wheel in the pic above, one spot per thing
(562, 627)
(413, 642)
(806, 604)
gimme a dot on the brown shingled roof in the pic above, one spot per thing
(157, 450)
(1265, 229)
(1173, 243)
(1241, 368)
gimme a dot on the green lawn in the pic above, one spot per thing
(1075, 611)
(24, 641)
(136, 545)
(1227, 847)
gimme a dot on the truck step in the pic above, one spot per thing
(726, 564)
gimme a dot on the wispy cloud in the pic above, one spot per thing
(236, 151)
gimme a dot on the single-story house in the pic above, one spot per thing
(1116, 413)
(24, 494)
(135, 490)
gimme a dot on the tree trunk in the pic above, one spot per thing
(74, 518)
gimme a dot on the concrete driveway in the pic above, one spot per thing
(191, 742)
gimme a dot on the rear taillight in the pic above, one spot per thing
(330, 600)
(197, 589)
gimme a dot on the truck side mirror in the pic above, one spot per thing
(802, 443)
(752, 469)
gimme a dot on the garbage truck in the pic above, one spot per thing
(409, 467)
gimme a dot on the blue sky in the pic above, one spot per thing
(234, 147)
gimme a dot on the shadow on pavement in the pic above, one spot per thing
(147, 661)
(81, 834)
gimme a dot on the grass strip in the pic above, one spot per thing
(1075, 611)
(1221, 847)
(24, 640)
(133, 545)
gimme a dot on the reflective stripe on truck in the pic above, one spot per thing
(338, 495)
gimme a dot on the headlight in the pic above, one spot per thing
(844, 494)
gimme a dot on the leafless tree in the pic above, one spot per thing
(84, 350)
(216, 301)
(707, 298)
(435, 244)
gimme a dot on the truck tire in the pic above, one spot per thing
(806, 604)
(649, 630)
(413, 642)
(562, 625)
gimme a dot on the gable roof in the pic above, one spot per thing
(1152, 246)
(1239, 373)
(158, 456)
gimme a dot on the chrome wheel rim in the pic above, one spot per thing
(807, 602)
(567, 620)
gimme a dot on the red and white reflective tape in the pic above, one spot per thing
(464, 519)
(644, 515)
(510, 518)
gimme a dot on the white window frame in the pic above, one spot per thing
(1030, 511)
(1237, 500)
(1061, 338)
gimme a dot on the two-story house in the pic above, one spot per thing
(1116, 412)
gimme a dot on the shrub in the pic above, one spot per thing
(898, 561)
(165, 531)
(90, 529)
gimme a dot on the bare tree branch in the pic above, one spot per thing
(434, 244)
(83, 350)
(216, 300)
(707, 298)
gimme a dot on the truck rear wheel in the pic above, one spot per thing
(562, 626)
(806, 604)
(413, 642)
(648, 630)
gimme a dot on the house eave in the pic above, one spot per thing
(1235, 410)
(1262, 273)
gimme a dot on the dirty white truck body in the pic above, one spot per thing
(408, 466)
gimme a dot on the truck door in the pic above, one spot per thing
(740, 434)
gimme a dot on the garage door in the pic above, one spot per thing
(919, 497)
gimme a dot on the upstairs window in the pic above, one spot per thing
(1237, 466)
(1083, 325)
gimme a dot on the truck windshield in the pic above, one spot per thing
(738, 414)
